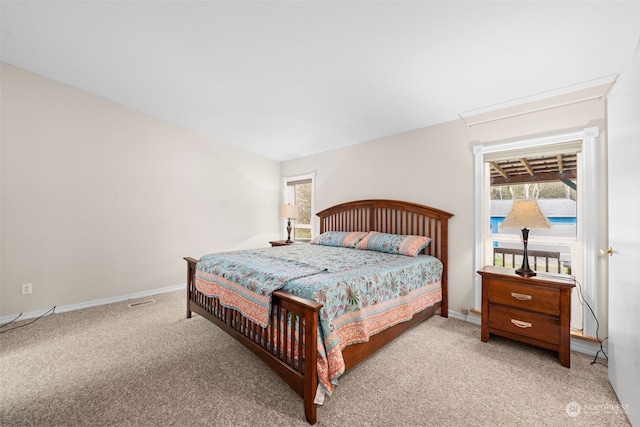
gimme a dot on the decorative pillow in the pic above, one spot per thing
(394, 243)
(347, 239)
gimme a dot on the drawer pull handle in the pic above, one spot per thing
(521, 297)
(521, 324)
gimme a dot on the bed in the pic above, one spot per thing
(277, 314)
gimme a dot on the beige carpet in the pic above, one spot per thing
(148, 365)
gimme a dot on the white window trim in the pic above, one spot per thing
(587, 206)
(285, 181)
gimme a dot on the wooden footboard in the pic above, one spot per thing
(293, 317)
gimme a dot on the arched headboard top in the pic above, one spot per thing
(386, 216)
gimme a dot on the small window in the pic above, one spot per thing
(298, 190)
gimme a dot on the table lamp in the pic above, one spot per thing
(289, 212)
(525, 214)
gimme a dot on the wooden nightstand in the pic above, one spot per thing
(535, 310)
(275, 243)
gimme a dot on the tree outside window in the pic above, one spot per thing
(299, 191)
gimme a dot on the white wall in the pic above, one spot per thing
(100, 201)
(434, 166)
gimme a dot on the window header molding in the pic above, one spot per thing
(299, 179)
(573, 138)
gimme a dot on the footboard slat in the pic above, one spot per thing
(271, 331)
(284, 350)
(300, 342)
(277, 332)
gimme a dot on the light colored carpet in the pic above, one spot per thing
(150, 366)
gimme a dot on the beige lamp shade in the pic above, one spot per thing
(289, 211)
(525, 214)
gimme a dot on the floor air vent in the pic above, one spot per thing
(135, 304)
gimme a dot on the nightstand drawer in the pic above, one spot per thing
(525, 323)
(534, 298)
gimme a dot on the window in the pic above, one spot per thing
(551, 178)
(298, 190)
(583, 247)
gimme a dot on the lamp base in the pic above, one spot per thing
(525, 272)
(289, 232)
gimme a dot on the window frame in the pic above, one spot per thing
(292, 180)
(587, 210)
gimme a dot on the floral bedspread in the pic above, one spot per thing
(245, 280)
(363, 292)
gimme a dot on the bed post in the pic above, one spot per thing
(444, 251)
(191, 276)
(310, 364)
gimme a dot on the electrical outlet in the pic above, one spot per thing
(464, 311)
(26, 288)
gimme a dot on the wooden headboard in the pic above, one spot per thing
(395, 217)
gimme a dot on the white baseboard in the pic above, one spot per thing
(94, 303)
(587, 347)
(580, 345)
(470, 318)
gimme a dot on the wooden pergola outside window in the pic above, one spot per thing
(532, 170)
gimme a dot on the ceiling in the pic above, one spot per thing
(291, 78)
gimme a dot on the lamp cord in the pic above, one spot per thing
(52, 310)
(585, 302)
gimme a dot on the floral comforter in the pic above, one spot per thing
(245, 280)
(363, 292)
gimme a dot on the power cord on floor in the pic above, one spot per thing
(52, 310)
(585, 303)
(11, 321)
(600, 341)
